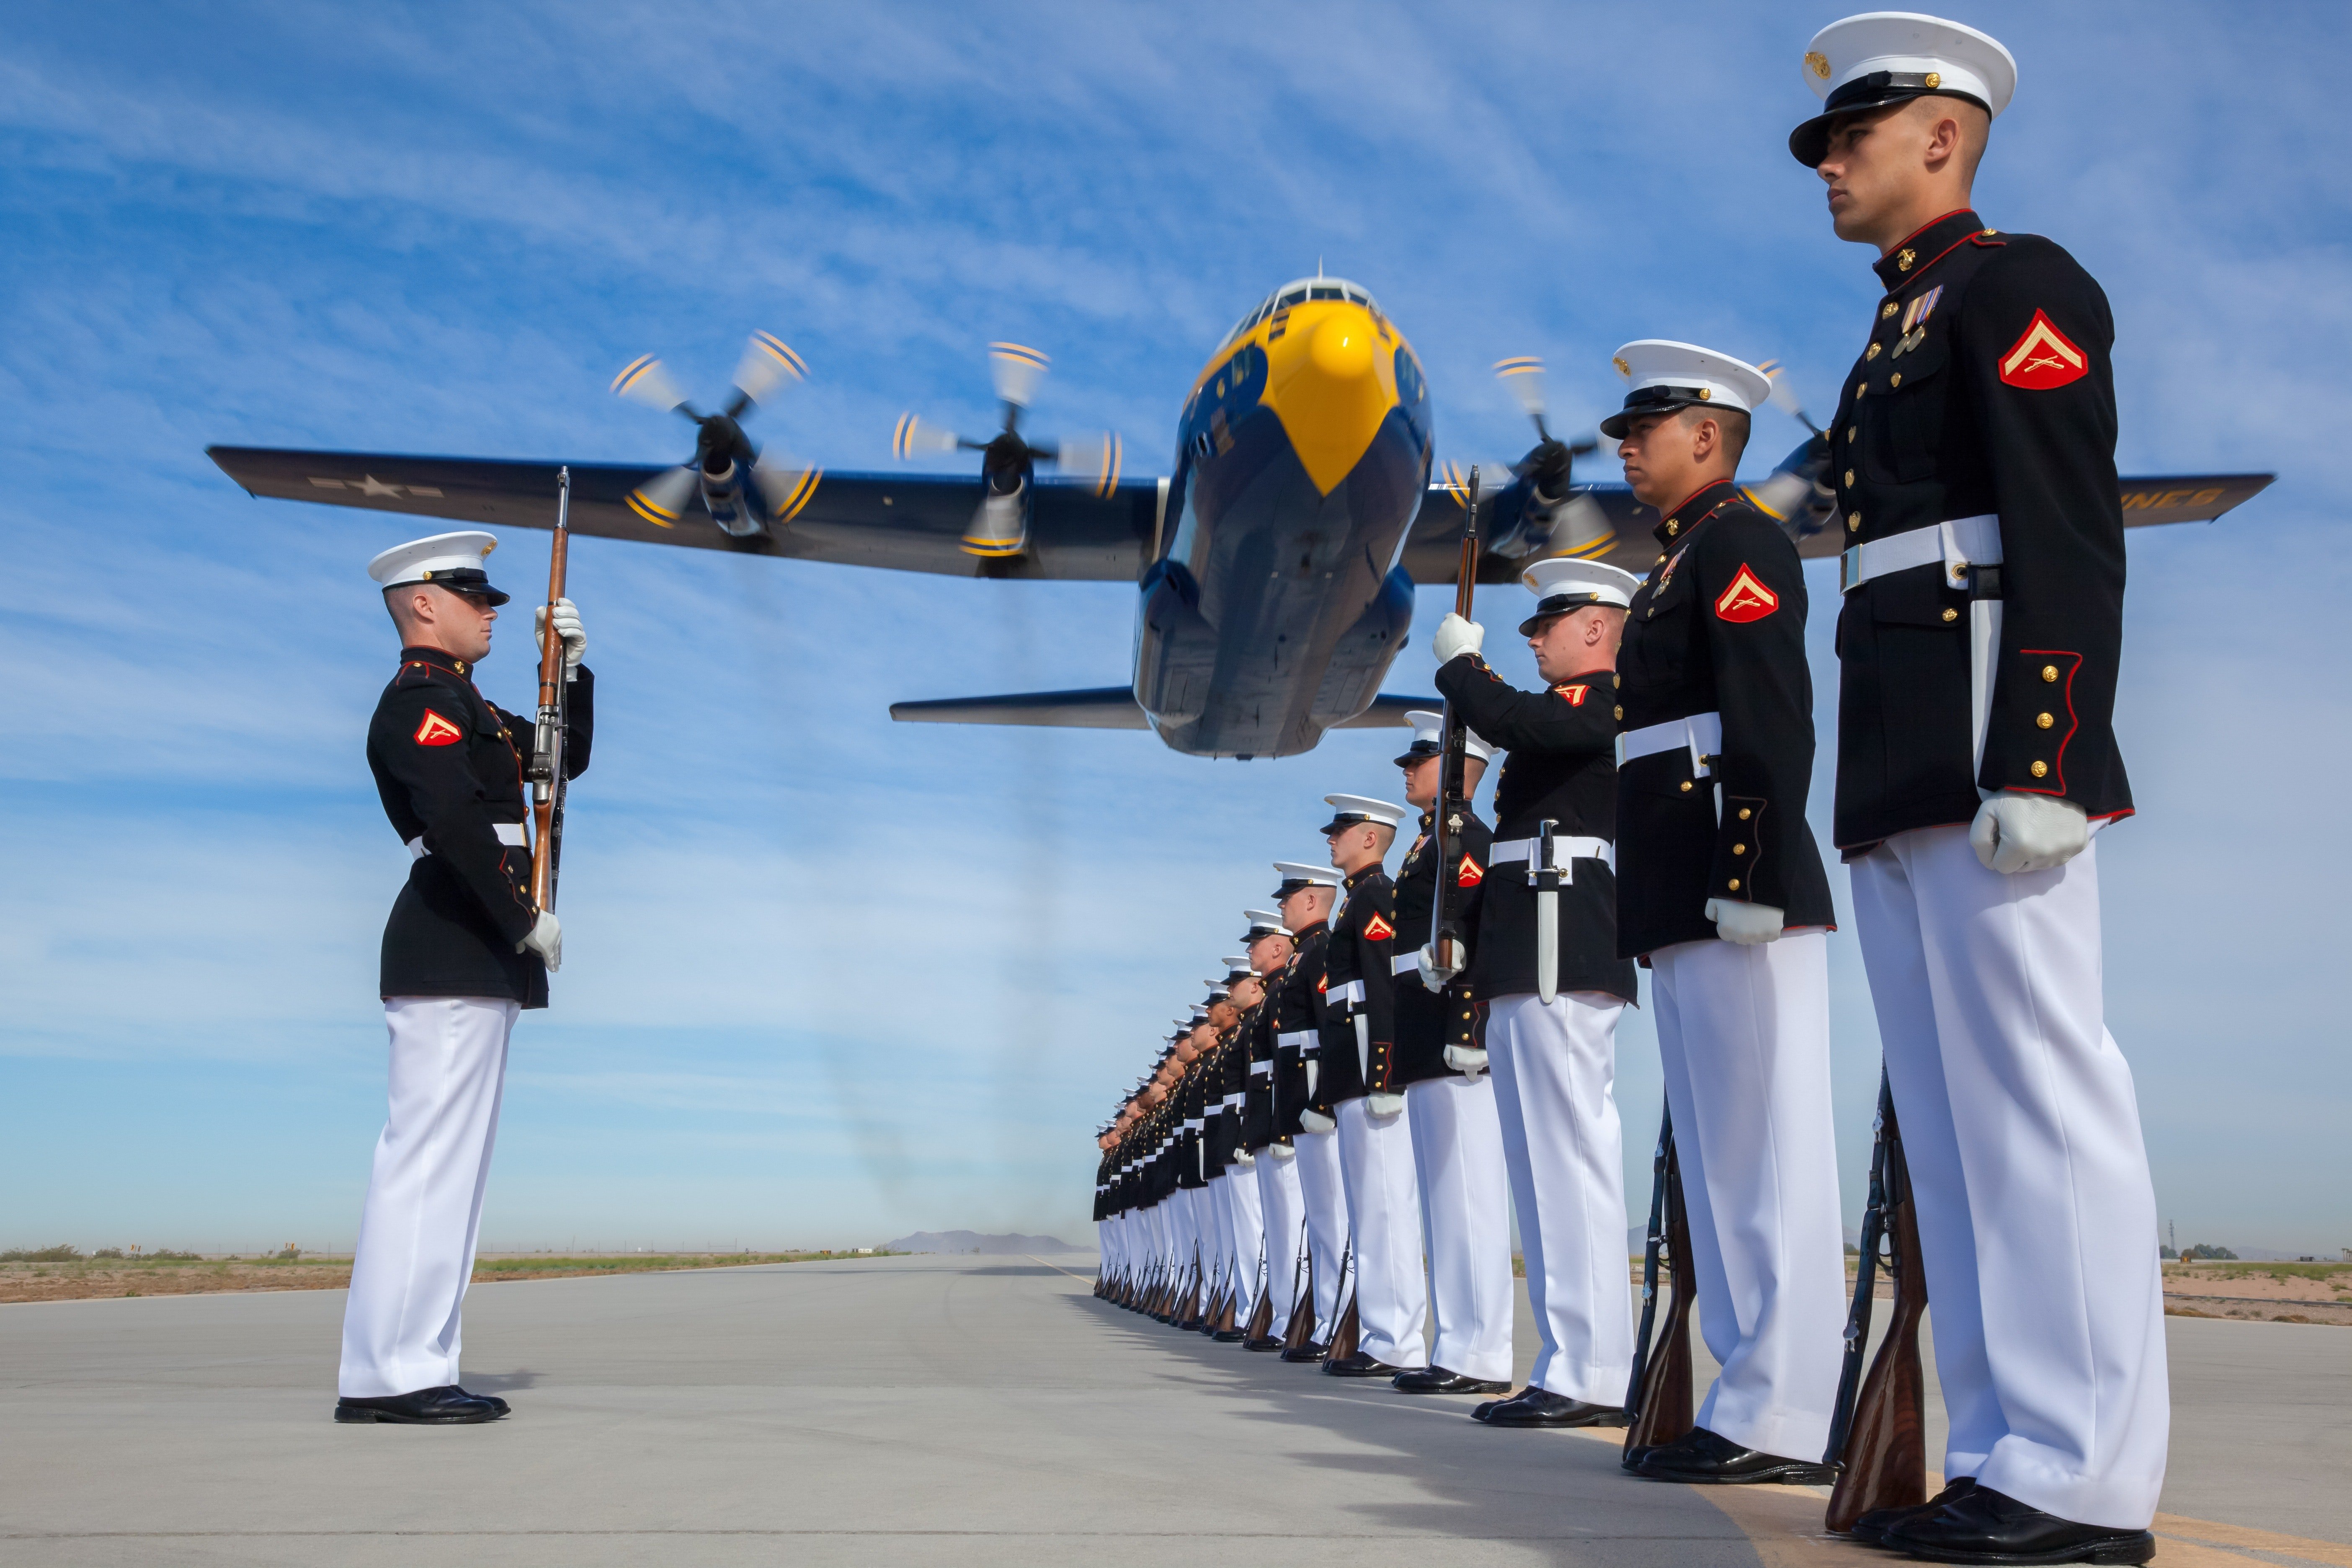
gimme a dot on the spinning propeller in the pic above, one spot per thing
(1000, 528)
(722, 453)
(1797, 492)
(1548, 468)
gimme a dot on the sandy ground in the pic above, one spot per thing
(2275, 1292)
(91, 1278)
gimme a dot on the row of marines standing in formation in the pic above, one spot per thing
(1316, 1167)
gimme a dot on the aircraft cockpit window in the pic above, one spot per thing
(1291, 296)
(1359, 297)
(1326, 291)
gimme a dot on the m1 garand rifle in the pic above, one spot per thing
(1261, 1318)
(1448, 940)
(1347, 1334)
(1878, 1430)
(1301, 1327)
(1658, 1408)
(546, 769)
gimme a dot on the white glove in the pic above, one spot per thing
(2015, 832)
(567, 626)
(1467, 1060)
(1316, 1121)
(1433, 976)
(1244, 1159)
(546, 938)
(1282, 1153)
(1747, 924)
(1384, 1104)
(1456, 637)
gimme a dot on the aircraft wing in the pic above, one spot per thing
(1106, 708)
(909, 522)
(1605, 522)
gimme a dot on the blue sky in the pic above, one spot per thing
(830, 978)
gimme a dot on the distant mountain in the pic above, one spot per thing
(973, 1241)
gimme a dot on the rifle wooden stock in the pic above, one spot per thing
(547, 740)
(1261, 1318)
(1447, 938)
(1885, 1460)
(1344, 1338)
(1301, 1327)
(1659, 1405)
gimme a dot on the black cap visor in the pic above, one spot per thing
(1421, 750)
(463, 580)
(1809, 143)
(1651, 400)
(1559, 604)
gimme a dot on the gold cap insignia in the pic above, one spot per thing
(493, 545)
(1706, 392)
(1818, 63)
(1902, 261)
(1622, 368)
(1933, 80)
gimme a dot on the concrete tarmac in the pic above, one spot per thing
(915, 1411)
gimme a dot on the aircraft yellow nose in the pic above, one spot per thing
(1330, 379)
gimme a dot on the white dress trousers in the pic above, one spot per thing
(1465, 1214)
(2036, 1211)
(1247, 1222)
(1325, 1196)
(1217, 1238)
(1384, 1217)
(1744, 1038)
(1555, 1089)
(1285, 1232)
(423, 1208)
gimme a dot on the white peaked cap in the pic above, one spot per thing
(1665, 375)
(1563, 584)
(1348, 809)
(1880, 57)
(1300, 871)
(1429, 738)
(453, 557)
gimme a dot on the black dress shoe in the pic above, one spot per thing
(1701, 1458)
(1437, 1380)
(1309, 1352)
(1268, 1344)
(489, 1399)
(1533, 1406)
(1360, 1365)
(1987, 1526)
(447, 1405)
(1872, 1526)
(1231, 1337)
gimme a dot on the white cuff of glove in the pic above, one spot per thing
(1456, 637)
(1316, 1121)
(2014, 833)
(1433, 977)
(567, 626)
(1467, 1060)
(1243, 1159)
(1282, 1152)
(1384, 1105)
(1747, 924)
(546, 938)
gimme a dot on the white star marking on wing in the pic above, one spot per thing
(371, 486)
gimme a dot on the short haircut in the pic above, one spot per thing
(1733, 422)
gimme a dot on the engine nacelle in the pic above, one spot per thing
(1795, 495)
(1000, 524)
(729, 504)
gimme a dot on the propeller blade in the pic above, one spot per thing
(1525, 377)
(1783, 398)
(914, 436)
(1095, 457)
(1017, 371)
(661, 500)
(768, 367)
(785, 485)
(644, 381)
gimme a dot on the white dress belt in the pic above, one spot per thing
(1564, 849)
(1406, 963)
(1351, 992)
(1261, 1069)
(1962, 543)
(1234, 1100)
(508, 832)
(1700, 733)
(1297, 1040)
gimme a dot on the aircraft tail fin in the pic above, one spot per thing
(1096, 708)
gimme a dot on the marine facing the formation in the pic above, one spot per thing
(1973, 453)
(465, 952)
(1544, 963)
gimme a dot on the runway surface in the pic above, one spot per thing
(915, 1411)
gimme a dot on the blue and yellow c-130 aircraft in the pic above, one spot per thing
(1275, 565)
